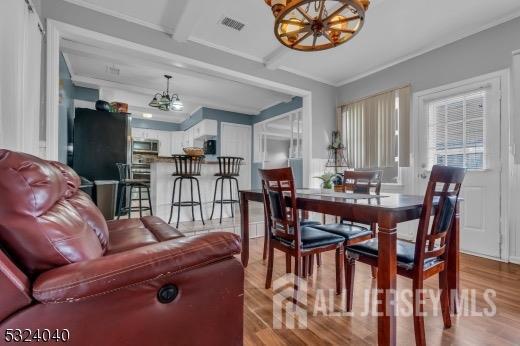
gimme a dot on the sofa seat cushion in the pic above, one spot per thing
(127, 234)
(313, 238)
(347, 231)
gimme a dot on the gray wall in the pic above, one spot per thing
(66, 111)
(155, 125)
(323, 95)
(484, 52)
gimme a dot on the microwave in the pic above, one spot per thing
(147, 146)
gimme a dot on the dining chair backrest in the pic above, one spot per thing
(363, 181)
(280, 204)
(433, 236)
(229, 165)
(124, 170)
(186, 165)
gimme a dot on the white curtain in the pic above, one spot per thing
(20, 76)
(368, 128)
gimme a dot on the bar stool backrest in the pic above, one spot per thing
(186, 165)
(124, 170)
(229, 165)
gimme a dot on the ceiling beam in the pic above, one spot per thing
(275, 58)
(189, 18)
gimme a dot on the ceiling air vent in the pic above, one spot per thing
(232, 23)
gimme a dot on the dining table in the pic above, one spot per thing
(387, 210)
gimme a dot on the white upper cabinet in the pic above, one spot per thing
(165, 143)
(205, 128)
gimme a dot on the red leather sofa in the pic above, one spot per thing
(126, 282)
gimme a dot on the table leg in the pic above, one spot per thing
(454, 261)
(244, 228)
(386, 281)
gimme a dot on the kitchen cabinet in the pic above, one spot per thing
(188, 138)
(165, 142)
(177, 142)
(205, 128)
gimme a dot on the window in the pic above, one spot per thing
(375, 131)
(457, 127)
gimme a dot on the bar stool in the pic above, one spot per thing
(229, 169)
(186, 168)
(127, 182)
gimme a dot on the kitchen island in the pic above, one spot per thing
(161, 178)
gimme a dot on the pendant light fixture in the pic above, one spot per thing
(165, 101)
(313, 25)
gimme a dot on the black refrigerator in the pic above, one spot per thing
(101, 139)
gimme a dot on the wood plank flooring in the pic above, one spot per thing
(476, 273)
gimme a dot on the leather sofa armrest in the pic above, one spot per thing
(107, 274)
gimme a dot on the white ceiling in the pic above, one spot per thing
(136, 81)
(395, 30)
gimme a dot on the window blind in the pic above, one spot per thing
(376, 130)
(457, 130)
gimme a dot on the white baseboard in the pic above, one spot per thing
(514, 259)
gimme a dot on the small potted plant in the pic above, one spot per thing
(326, 181)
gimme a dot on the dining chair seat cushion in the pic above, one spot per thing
(347, 231)
(309, 223)
(312, 238)
(405, 252)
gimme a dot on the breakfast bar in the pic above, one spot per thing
(161, 170)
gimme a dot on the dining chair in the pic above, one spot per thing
(428, 255)
(285, 232)
(363, 182)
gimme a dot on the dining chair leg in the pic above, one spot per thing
(297, 278)
(311, 264)
(340, 259)
(373, 228)
(266, 237)
(318, 260)
(305, 265)
(418, 319)
(350, 271)
(269, 276)
(288, 259)
(445, 298)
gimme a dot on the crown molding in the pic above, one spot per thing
(451, 38)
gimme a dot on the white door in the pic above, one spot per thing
(235, 140)
(460, 126)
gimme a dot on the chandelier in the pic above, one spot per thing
(165, 101)
(312, 25)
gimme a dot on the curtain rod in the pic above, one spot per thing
(374, 95)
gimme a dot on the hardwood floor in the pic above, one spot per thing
(476, 274)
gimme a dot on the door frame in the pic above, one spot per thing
(506, 154)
